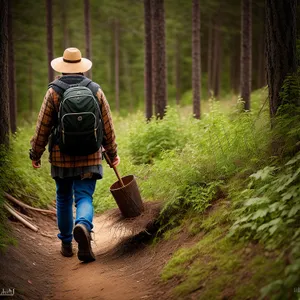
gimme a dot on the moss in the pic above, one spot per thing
(261, 270)
(217, 266)
(216, 218)
(172, 234)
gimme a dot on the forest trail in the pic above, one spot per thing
(110, 277)
(126, 268)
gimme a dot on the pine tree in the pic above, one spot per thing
(148, 59)
(117, 64)
(196, 56)
(209, 57)
(4, 103)
(246, 52)
(49, 38)
(87, 27)
(11, 73)
(159, 57)
(280, 46)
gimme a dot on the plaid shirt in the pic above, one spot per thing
(45, 122)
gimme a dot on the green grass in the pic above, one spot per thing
(217, 266)
(189, 165)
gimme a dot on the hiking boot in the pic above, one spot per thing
(83, 237)
(66, 249)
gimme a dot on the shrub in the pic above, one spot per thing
(149, 140)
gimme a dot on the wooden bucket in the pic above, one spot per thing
(128, 197)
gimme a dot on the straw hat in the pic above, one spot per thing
(71, 62)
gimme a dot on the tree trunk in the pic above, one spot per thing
(280, 46)
(4, 103)
(235, 59)
(128, 81)
(109, 61)
(216, 65)
(153, 72)
(11, 73)
(64, 22)
(219, 63)
(148, 59)
(260, 60)
(159, 57)
(246, 53)
(196, 56)
(177, 71)
(209, 58)
(49, 38)
(30, 84)
(117, 65)
(87, 28)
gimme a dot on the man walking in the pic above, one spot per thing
(75, 118)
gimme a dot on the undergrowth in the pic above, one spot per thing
(188, 164)
(268, 210)
(217, 267)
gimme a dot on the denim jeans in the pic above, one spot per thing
(82, 191)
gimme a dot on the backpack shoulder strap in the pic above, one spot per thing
(59, 86)
(90, 84)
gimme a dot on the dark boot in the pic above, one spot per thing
(66, 249)
(83, 237)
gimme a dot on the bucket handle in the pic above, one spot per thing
(114, 167)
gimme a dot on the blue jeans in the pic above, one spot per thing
(83, 191)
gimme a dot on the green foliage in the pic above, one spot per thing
(149, 140)
(216, 148)
(20, 179)
(5, 232)
(269, 212)
(215, 261)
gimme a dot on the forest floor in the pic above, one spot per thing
(125, 268)
(131, 266)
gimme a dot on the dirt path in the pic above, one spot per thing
(110, 277)
(125, 268)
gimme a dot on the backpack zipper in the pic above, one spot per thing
(71, 114)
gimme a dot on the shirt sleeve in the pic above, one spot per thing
(44, 125)
(109, 138)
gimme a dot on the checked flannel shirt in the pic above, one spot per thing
(45, 122)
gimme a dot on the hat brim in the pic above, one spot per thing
(60, 66)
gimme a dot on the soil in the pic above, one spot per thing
(126, 266)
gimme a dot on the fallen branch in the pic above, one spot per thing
(20, 203)
(17, 216)
(19, 213)
(47, 235)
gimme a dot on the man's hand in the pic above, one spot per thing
(36, 163)
(116, 161)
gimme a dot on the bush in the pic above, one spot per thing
(216, 148)
(149, 140)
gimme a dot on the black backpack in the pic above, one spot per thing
(79, 128)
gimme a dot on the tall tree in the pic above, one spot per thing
(235, 63)
(49, 38)
(148, 59)
(117, 64)
(209, 57)
(159, 57)
(30, 83)
(87, 27)
(11, 73)
(64, 22)
(261, 71)
(177, 70)
(280, 46)
(196, 56)
(217, 55)
(4, 104)
(246, 52)
(128, 82)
